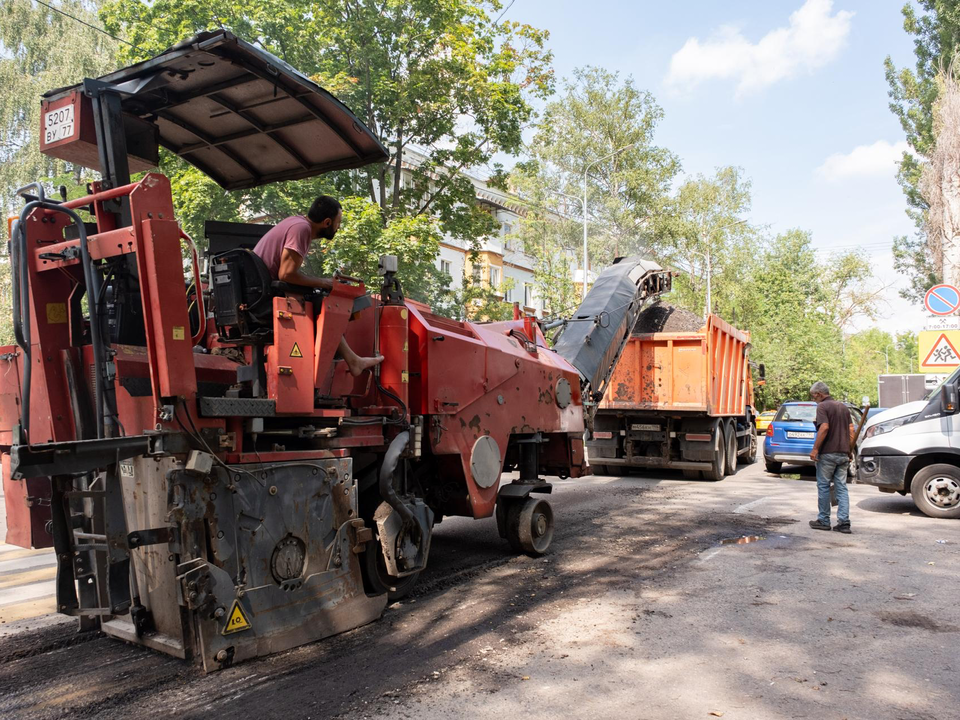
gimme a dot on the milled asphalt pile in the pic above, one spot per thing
(663, 317)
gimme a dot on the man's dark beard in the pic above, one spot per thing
(327, 233)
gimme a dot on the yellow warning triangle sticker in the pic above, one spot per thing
(236, 620)
(296, 351)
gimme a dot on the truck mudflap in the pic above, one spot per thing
(259, 559)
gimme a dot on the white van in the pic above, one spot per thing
(915, 448)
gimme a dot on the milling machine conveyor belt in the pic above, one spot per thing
(594, 338)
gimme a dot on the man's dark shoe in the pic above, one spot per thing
(817, 525)
(843, 527)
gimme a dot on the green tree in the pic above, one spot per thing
(913, 94)
(362, 239)
(548, 235)
(705, 228)
(435, 76)
(40, 50)
(597, 115)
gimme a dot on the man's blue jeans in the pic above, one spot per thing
(832, 467)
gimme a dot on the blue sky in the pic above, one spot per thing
(792, 91)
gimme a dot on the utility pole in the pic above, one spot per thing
(585, 171)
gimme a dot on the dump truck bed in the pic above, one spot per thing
(702, 372)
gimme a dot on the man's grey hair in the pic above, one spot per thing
(819, 388)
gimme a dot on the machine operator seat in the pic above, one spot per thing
(242, 293)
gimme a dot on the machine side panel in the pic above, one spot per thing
(290, 365)
(168, 332)
(11, 359)
(27, 504)
(51, 418)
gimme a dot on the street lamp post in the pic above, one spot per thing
(585, 171)
(706, 256)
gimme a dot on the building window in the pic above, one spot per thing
(528, 295)
(476, 273)
(445, 267)
(494, 277)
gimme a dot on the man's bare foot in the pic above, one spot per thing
(358, 366)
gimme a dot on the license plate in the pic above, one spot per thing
(58, 124)
(801, 435)
(642, 426)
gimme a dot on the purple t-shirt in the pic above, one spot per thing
(293, 233)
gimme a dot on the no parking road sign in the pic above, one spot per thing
(942, 299)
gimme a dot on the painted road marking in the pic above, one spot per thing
(750, 505)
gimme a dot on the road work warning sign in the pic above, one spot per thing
(938, 351)
(236, 620)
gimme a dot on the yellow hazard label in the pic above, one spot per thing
(296, 351)
(404, 376)
(406, 347)
(178, 332)
(236, 620)
(56, 313)
(403, 314)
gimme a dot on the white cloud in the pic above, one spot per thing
(814, 37)
(864, 160)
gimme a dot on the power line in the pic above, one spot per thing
(500, 16)
(84, 22)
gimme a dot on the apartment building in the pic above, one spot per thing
(501, 262)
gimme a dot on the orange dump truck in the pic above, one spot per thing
(678, 400)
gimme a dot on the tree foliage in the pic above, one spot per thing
(42, 50)
(706, 219)
(363, 238)
(913, 94)
(435, 76)
(597, 115)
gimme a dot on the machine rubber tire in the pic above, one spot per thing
(936, 490)
(750, 456)
(718, 469)
(530, 526)
(730, 433)
(692, 474)
(773, 467)
(376, 581)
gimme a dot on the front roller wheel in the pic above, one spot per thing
(377, 581)
(530, 526)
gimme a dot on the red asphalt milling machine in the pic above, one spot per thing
(215, 483)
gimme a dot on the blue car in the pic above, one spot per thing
(790, 436)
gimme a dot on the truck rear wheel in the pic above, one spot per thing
(718, 466)
(731, 435)
(936, 491)
(750, 456)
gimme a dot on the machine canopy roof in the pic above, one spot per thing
(241, 115)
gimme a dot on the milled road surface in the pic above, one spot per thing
(639, 611)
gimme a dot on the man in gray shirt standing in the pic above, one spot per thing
(831, 452)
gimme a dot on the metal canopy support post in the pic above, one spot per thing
(111, 142)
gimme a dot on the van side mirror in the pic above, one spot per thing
(948, 400)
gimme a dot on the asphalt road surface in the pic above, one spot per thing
(649, 605)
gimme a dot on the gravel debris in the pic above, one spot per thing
(663, 317)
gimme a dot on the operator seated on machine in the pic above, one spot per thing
(285, 246)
